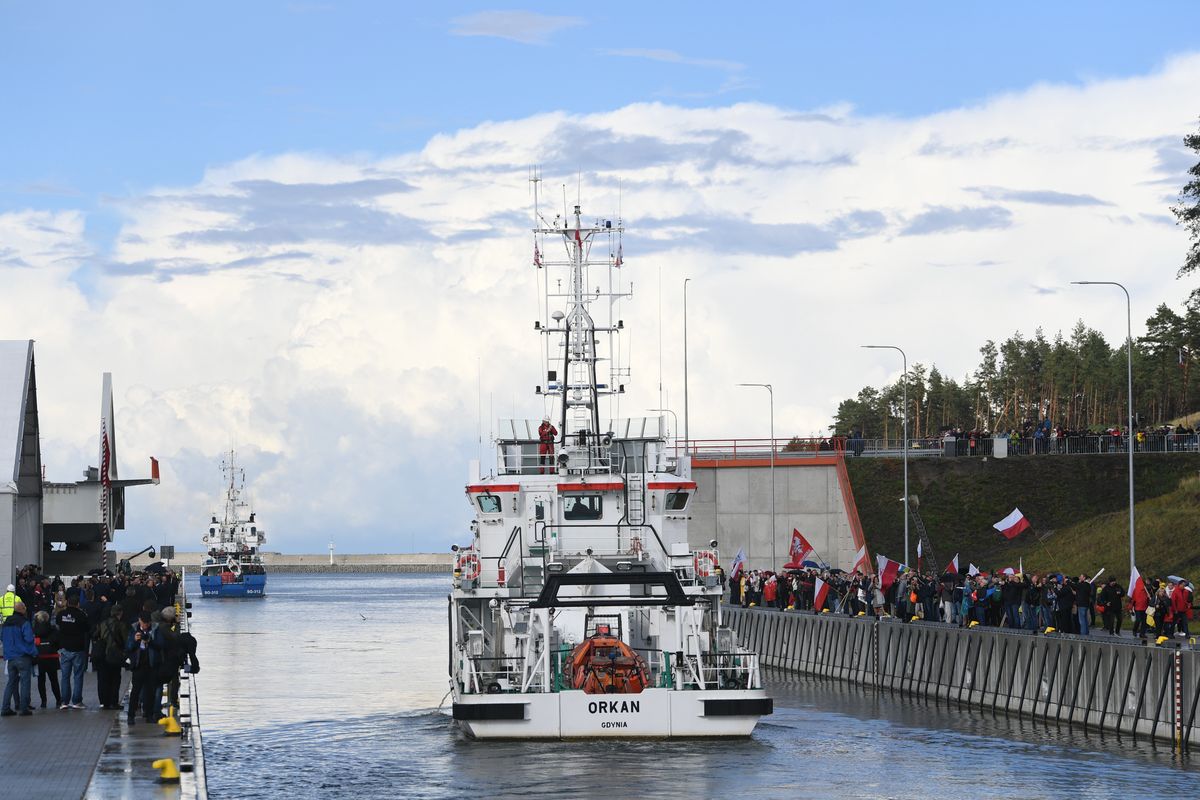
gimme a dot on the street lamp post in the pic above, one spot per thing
(771, 392)
(1129, 398)
(686, 430)
(904, 445)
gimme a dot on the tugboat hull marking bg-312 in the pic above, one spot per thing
(579, 609)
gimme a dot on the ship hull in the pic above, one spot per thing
(653, 713)
(249, 586)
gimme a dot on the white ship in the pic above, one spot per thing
(579, 608)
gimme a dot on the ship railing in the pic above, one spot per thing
(733, 670)
(493, 674)
(658, 668)
(618, 539)
(753, 449)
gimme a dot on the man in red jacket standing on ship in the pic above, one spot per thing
(546, 434)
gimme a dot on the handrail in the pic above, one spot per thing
(559, 526)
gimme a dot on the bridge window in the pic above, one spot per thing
(583, 506)
(677, 501)
(489, 504)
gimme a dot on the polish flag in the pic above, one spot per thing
(1013, 524)
(739, 561)
(801, 550)
(972, 570)
(887, 571)
(821, 592)
(1137, 589)
(920, 557)
(861, 560)
(952, 567)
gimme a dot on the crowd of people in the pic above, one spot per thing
(1053, 602)
(112, 622)
(1033, 438)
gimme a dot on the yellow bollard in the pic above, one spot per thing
(170, 723)
(167, 771)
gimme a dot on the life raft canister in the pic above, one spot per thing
(705, 561)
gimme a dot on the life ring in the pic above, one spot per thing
(705, 561)
(469, 566)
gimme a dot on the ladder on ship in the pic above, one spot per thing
(922, 534)
(635, 499)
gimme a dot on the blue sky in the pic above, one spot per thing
(288, 226)
(104, 99)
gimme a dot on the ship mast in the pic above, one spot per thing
(577, 376)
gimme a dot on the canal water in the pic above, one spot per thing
(329, 688)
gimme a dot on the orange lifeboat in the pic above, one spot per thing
(603, 664)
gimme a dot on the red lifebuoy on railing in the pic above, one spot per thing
(705, 562)
(468, 565)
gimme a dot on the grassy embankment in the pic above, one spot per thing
(1078, 505)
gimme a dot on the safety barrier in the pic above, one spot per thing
(1140, 690)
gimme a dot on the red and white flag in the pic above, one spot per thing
(887, 572)
(862, 561)
(1013, 524)
(537, 255)
(820, 594)
(952, 567)
(1137, 589)
(801, 550)
(920, 557)
(972, 570)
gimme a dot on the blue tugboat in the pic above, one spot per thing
(234, 566)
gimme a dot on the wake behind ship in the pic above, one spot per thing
(579, 609)
(233, 566)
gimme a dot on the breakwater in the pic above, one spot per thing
(1121, 686)
(320, 562)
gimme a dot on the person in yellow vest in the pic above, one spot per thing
(8, 603)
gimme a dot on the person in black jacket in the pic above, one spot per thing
(44, 637)
(1083, 605)
(1066, 607)
(74, 634)
(144, 650)
(1111, 598)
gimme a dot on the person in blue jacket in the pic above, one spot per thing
(20, 651)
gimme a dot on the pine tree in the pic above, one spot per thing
(1188, 211)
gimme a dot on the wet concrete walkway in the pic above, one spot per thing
(92, 753)
(53, 753)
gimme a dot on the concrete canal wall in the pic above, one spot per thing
(1139, 690)
(812, 495)
(319, 562)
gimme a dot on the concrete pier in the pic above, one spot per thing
(1118, 685)
(319, 562)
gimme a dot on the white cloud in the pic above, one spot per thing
(526, 27)
(672, 57)
(327, 316)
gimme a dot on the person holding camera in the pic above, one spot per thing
(144, 650)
